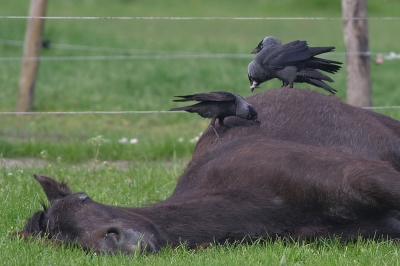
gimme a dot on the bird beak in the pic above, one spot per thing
(257, 121)
(256, 50)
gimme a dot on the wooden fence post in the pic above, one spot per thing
(357, 52)
(30, 63)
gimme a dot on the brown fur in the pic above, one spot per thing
(309, 117)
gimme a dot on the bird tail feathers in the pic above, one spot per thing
(323, 85)
(183, 108)
(185, 98)
(326, 65)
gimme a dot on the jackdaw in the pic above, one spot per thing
(218, 104)
(291, 62)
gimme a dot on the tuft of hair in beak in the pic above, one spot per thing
(253, 86)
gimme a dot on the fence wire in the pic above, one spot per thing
(196, 18)
(156, 56)
(135, 112)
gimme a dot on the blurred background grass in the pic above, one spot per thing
(150, 84)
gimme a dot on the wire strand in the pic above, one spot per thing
(128, 57)
(197, 18)
(90, 112)
(164, 55)
(85, 47)
(387, 56)
(136, 112)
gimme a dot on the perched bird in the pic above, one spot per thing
(291, 62)
(218, 104)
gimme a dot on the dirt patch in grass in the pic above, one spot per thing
(23, 162)
(38, 162)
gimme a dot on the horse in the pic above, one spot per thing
(315, 168)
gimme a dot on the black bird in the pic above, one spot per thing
(291, 62)
(218, 104)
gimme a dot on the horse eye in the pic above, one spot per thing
(84, 199)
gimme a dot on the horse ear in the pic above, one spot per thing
(53, 189)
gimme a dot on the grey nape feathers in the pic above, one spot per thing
(291, 62)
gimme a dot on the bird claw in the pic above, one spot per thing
(216, 133)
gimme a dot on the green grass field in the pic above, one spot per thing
(69, 147)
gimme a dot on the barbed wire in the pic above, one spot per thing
(195, 18)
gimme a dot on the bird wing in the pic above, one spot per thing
(287, 54)
(320, 50)
(215, 96)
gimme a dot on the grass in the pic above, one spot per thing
(144, 172)
(318, 253)
(139, 184)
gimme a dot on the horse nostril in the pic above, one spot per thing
(115, 232)
(127, 241)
